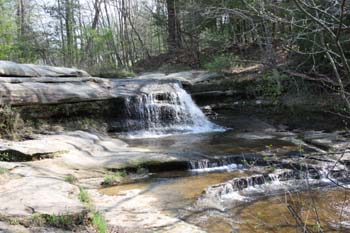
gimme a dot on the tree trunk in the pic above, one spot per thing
(172, 45)
(88, 48)
(69, 31)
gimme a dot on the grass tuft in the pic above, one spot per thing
(67, 222)
(99, 222)
(84, 196)
(70, 179)
(114, 177)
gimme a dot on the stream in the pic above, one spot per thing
(242, 174)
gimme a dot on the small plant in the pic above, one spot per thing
(97, 219)
(270, 84)
(70, 179)
(221, 63)
(61, 221)
(37, 219)
(3, 170)
(4, 156)
(10, 122)
(99, 222)
(141, 170)
(67, 222)
(14, 221)
(84, 196)
(112, 178)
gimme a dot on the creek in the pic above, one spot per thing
(241, 175)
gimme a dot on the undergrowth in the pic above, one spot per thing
(113, 177)
(97, 219)
(10, 123)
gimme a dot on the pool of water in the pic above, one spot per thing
(214, 143)
(178, 193)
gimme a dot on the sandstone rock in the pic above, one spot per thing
(37, 92)
(187, 77)
(83, 150)
(136, 210)
(28, 195)
(12, 69)
(8, 228)
(333, 141)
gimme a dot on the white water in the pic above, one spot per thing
(227, 168)
(279, 182)
(205, 165)
(166, 109)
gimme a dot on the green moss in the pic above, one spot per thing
(70, 179)
(113, 177)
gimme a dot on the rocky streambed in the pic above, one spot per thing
(163, 166)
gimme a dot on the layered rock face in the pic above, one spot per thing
(12, 69)
(45, 92)
(23, 84)
(31, 84)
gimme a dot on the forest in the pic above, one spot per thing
(174, 116)
(113, 34)
(308, 39)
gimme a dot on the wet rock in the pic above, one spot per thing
(255, 136)
(334, 141)
(238, 184)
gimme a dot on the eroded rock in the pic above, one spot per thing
(12, 69)
(28, 195)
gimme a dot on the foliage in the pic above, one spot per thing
(3, 170)
(271, 84)
(84, 196)
(67, 222)
(112, 178)
(70, 179)
(97, 219)
(99, 222)
(222, 63)
(10, 122)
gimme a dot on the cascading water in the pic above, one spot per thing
(211, 165)
(165, 109)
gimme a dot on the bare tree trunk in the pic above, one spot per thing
(69, 31)
(63, 41)
(88, 48)
(172, 45)
(21, 17)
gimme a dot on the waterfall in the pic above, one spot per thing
(211, 165)
(164, 109)
(278, 182)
